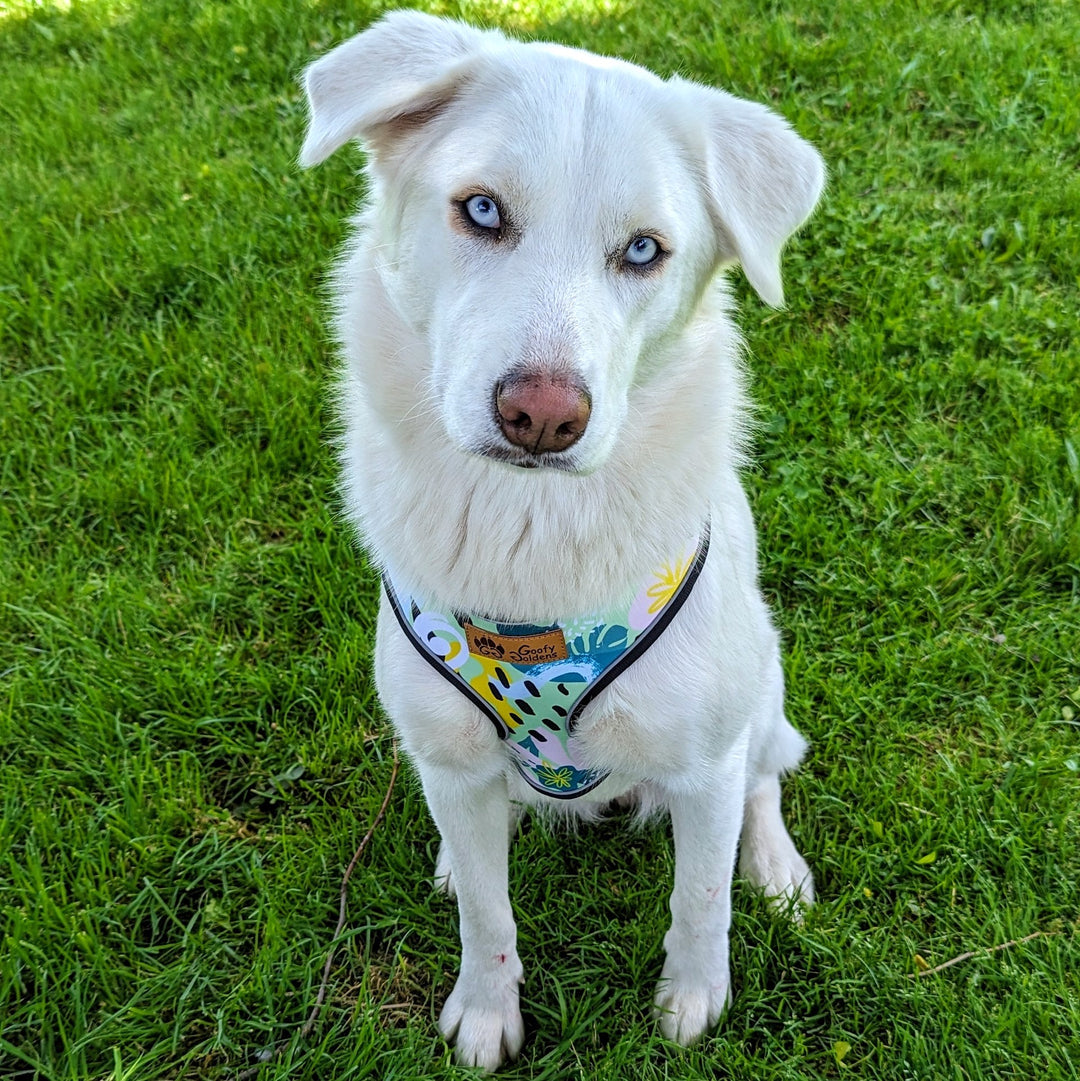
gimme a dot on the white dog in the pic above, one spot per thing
(544, 419)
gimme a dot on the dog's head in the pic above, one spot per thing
(547, 220)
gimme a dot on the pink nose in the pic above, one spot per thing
(542, 413)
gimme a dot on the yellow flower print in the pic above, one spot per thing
(555, 778)
(668, 580)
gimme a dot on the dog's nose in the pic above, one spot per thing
(542, 413)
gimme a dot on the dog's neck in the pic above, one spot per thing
(529, 545)
(474, 534)
(551, 560)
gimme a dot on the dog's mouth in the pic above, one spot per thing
(523, 459)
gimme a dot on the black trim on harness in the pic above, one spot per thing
(652, 632)
(440, 665)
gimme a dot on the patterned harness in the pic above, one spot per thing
(532, 682)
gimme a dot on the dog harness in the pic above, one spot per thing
(533, 681)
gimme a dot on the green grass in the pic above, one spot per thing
(190, 749)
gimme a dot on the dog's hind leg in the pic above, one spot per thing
(768, 858)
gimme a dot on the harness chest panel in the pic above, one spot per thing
(532, 681)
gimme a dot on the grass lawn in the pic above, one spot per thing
(190, 749)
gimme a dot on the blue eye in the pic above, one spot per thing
(482, 210)
(642, 251)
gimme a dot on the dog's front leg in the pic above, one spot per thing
(694, 986)
(482, 1011)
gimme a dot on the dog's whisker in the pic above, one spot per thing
(424, 407)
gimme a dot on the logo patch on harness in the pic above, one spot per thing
(516, 648)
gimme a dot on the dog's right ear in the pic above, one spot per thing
(381, 83)
(763, 181)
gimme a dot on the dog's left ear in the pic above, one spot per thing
(763, 180)
(385, 82)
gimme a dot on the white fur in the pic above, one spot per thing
(583, 154)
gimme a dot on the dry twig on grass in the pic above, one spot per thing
(310, 1023)
(975, 953)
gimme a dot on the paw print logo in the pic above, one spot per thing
(489, 647)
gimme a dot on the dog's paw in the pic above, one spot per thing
(444, 879)
(781, 873)
(687, 1010)
(483, 1023)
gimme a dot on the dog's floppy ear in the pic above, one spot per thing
(396, 74)
(763, 182)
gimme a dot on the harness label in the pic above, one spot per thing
(515, 648)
